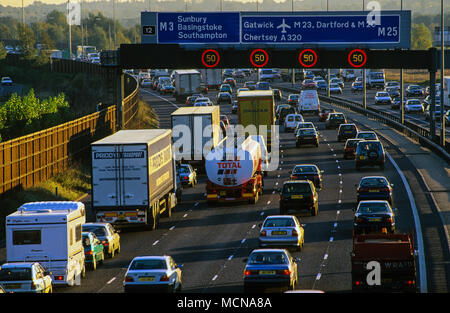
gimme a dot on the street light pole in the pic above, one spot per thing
(402, 91)
(442, 117)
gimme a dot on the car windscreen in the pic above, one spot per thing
(372, 207)
(367, 136)
(298, 118)
(351, 143)
(148, 265)
(268, 258)
(373, 182)
(336, 117)
(16, 273)
(297, 188)
(373, 146)
(305, 170)
(183, 169)
(99, 231)
(306, 131)
(279, 222)
(347, 127)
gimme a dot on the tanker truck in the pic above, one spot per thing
(234, 172)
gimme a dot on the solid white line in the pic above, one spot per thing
(111, 280)
(159, 97)
(418, 227)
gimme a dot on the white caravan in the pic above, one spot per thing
(48, 233)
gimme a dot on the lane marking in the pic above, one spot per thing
(140, 89)
(230, 257)
(422, 265)
(185, 215)
(243, 240)
(156, 242)
(111, 280)
(215, 277)
(172, 228)
(318, 276)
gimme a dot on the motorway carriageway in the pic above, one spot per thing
(211, 242)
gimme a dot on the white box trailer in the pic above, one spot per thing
(211, 77)
(446, 92)
(195, 132)
(186, 82)
(133, 177)
(49, 233)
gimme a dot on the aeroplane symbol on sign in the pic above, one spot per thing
(283, 27)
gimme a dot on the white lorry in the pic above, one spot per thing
(211, 77)
(195, 131)
(375, 78)
(186, 83)
(134, 177)
(49, 233)
(309, 102)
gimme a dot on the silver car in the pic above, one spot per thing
(282, 231)
(153, 273)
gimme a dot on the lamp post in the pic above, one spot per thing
(442, 117)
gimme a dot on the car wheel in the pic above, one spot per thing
(102, 258)
(112, 253)
(382, 166)
(118, 248)
(94, 264)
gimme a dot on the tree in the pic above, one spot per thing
(421, 37)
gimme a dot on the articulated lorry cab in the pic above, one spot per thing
(134, 177)
(383, 262)
(234, 172)
(49, 233)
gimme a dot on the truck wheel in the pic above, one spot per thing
(255, 198)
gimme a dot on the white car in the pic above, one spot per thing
(413, 106)
(146, 82)
(281, 230)
(153, 272)
(203, 100)
(291, 121)
(6, 81)
(335, 88)
(382, 97)
(25, 277)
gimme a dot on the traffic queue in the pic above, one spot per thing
(163, 163)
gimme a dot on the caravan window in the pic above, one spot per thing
(26, 237)
(78, 233)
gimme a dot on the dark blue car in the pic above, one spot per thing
(374, 188)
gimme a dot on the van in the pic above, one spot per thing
(309, 102)
(49, 233)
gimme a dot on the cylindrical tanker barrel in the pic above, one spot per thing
(233, 166)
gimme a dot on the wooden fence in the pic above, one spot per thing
(26, 161)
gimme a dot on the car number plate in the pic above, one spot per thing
(12, 286)
(275, 232)
(147, 278)
(377, 219)
(223, 193)
(267, 272)
(297, 197)
(373, 190)
(362, 157)
(348, 132)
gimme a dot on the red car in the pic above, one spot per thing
(323, 115)
(350, 148)
(230, 81)
(309, 84)
(225, 120)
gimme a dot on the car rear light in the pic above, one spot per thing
(105, 243)
(263, 233)
(389, 220)
(410, 282)
(359, 220)
(164, 278)
(185, 177)
(248, 273)
(128, 279)
(294, 233)
(33, 286)
(363, 190)
(293, 177)
(284, 272)
(357, 283)
(385, 190)
(59, 277)
(89, 252)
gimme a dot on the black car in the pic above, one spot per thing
(285, 111)
(350, 148)
(334, 120)
(234, 108)
(299, 195)
(369, 153)
(224, 97)
(374, 216)
(414, 90)
(347, 131)
(306, 136)
(374, 188)
(308, 172)
(277, 94)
